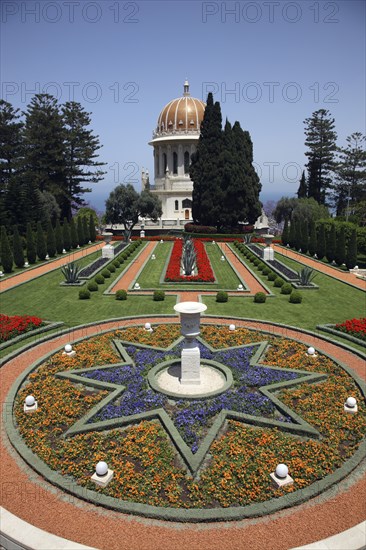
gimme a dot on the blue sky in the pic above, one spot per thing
(271, 64)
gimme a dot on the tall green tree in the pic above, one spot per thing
(124, 206)
(321, 142)
(31, 247)
(331, 239)
(349, 185)
(59, 238)
(351, 252)
(292, 234)
(304, 244)
(92, 232)
(6, 255)
(80, 154)
(205, 173)
(66, 235)
(51, 240)
(18, 253)
(302, 191)
(81, 234)
(41, 242)
(340, 255)
(86, 230)
(321, 249)
(285, 233)
(11, 211)
(313, 241)
(73, 233)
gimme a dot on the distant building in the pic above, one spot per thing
(174, 141)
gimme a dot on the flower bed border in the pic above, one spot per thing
(253, 510)
(329, 328)
(191, 278)
(50, 325)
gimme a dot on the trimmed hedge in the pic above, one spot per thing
(286, 288)
(84, 294)
(99, 279)
(121, 294)
(295, 297)
(260, 298)
(92, 286)
(159, 296)
(222, 296)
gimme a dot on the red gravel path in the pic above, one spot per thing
(127, 278)
(31, 498)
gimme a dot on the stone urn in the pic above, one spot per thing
(190, 313)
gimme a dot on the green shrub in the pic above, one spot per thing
(116, 264)
(266, 271)
(121, 294)
(31, 247)
(99, 279)
(286, 288)
(260, 298)
(84, 294)
(257, 262)
(51, 240)
(222, 296)
(106, 273)
(18, 253)
(111, 268)
(41, 243)
(295, 297)
(159, 295)
(271, 276)
(278, 282)
(6, 254)
(92, 286)
(262, 266)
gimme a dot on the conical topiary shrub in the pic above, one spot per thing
(59, 238)
(31, 247)
(73, 234)
(92, 232)
(51, 240)
(41, 242)
(66, 235)
(18, 249)
(6, 254)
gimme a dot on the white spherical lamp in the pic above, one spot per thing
(68, 348)
(351, 402)
(30, 401)
(282, 471)
(147, 326)
(222, 258)
(101, 468)
(240, 287)
(311, 350)
(231, 327)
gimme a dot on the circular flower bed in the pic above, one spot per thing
(187, 456)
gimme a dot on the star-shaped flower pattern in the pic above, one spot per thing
(191, 424)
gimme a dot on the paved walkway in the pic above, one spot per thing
(51, 265)
(134, 268)
(28, 496)
(346, 277)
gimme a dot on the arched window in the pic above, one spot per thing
(175, 163)
(164, 162)
(186, 162)
(176, 205)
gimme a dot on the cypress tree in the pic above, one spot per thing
(66, 235)
(18, 249)
(302, 191)
(292, 238)
(51, 240)
(297, 234)
(41, 242)
(59, 238)
(81, 231)
(285, 233)
(92, 233)
(340, 255)
(86, 230)
(321, 244)
(31, 247)
(304, 236)
(351, 254)
(313, 242)
(73, 234)
(5, 252)
(331, 243)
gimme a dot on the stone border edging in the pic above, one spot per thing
(49, 326)
(193, 515)
(108, 290)
(264, 285)
(329, 328)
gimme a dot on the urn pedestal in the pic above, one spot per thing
(190, 313)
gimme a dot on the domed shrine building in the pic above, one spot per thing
(174, 141)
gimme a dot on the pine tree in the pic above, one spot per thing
(92, 233)
(51, 240)
(340, 256)
(304, 236)
(81, 148)
(41, 242)
(331, 243)
(86, 230)
(66, 235)
(205, 168)
(321, 244)
(321, 141)
(18, 253)
(5, 252)
(285, 233)
(59, 238)
(31, 247)
(313, 242)
(302, 191)
(351, 254)
(81, 231)
(73, 234)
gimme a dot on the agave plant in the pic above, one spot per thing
(70, 272)
(247, 238)
(188, 257)
(306, 275)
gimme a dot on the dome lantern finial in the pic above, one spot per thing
(186, 88)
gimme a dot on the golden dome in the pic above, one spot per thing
(183, 114)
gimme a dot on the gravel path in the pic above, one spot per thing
(127, 278)
(33, 499)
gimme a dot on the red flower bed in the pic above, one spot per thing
(205, 273)
(354, 327)
(13, 326)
